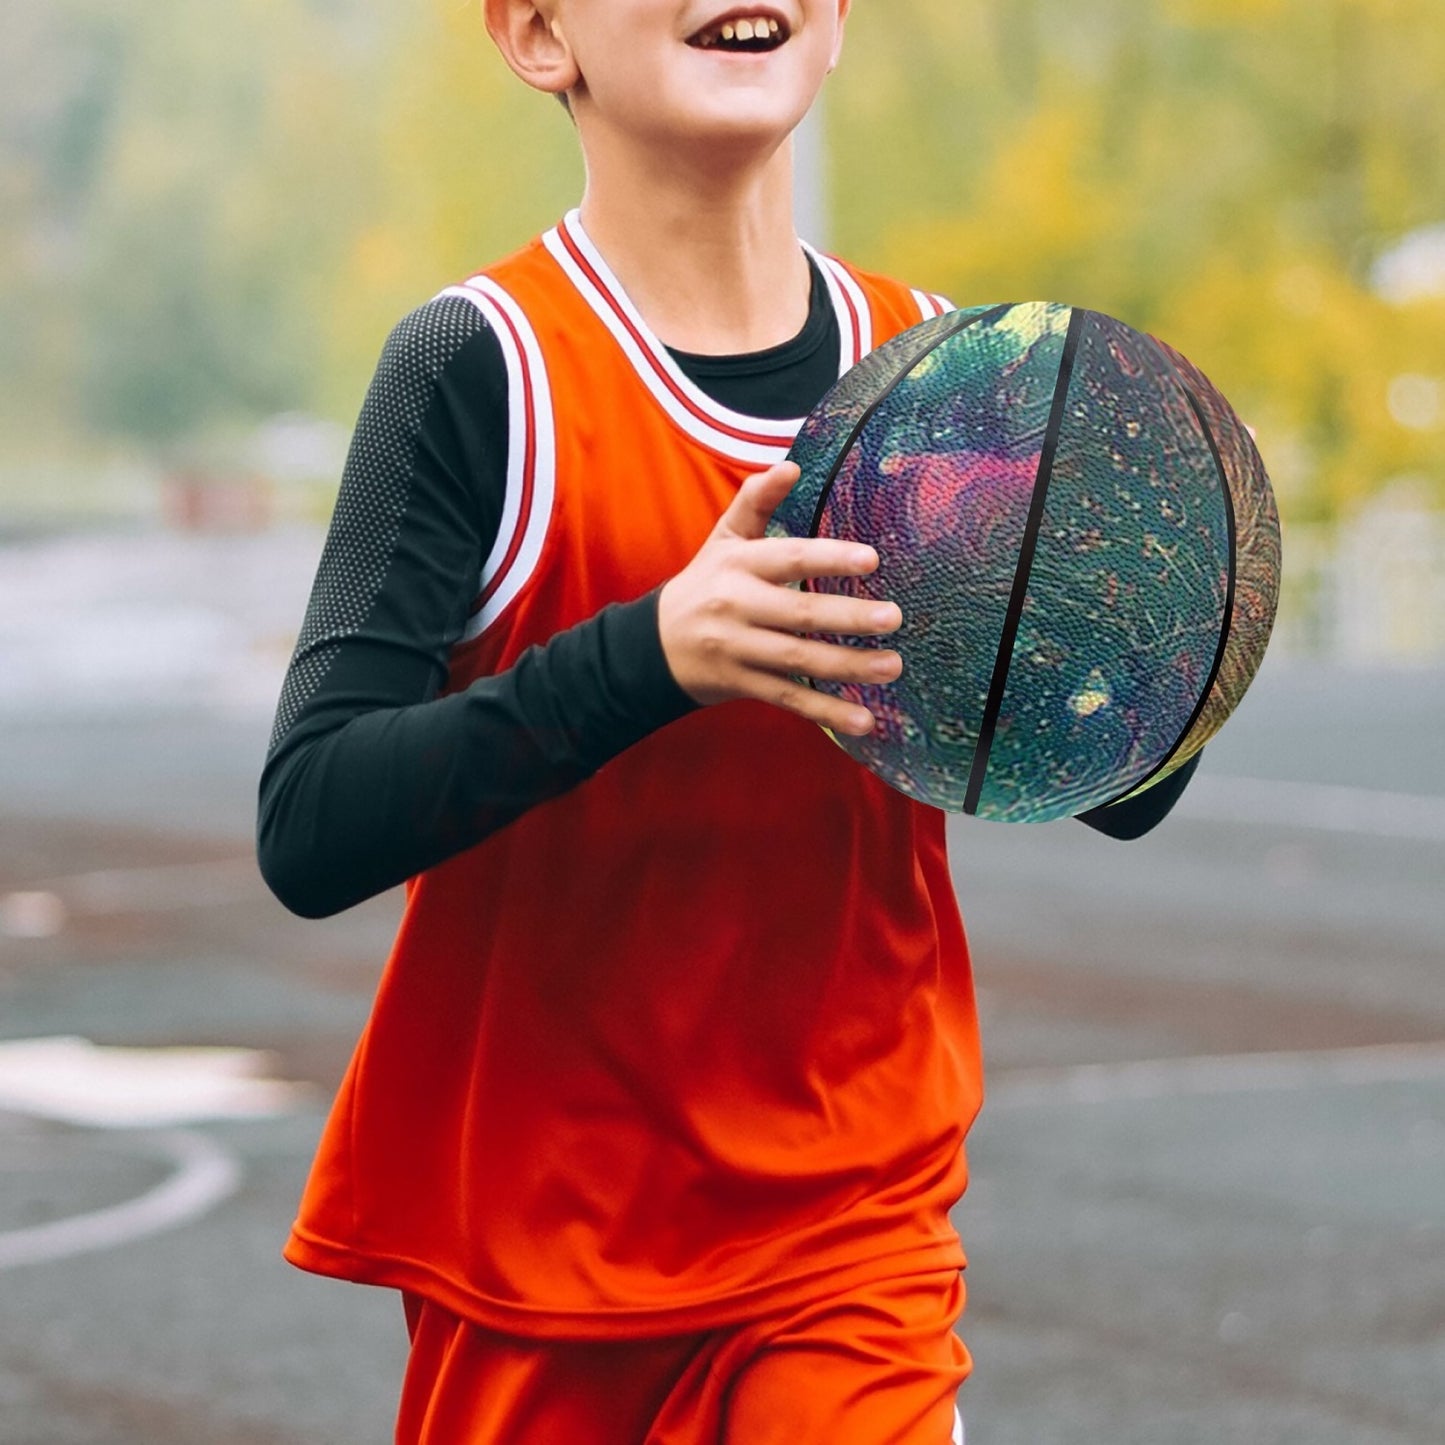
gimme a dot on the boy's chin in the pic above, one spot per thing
(722, 123)
(730, 124)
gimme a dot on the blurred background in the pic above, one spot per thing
(210, 218)
(210, 221)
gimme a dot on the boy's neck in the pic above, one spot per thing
(709, 256)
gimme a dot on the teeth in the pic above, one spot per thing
(750, 28)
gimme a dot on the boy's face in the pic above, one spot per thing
(721, 72)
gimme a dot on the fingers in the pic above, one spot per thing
(822, 708)
(757, 499)
(733, 625)
(827, 662)
(798, 559)
(776, 666)
(786, 609)
(788, 559)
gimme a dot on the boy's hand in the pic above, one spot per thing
(730, 624)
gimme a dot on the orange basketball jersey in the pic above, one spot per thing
(696, 1039)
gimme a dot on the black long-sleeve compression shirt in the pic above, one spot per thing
(371, 777)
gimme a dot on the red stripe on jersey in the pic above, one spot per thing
(658, 370)
(929, 306)
(529, 466)
(857, 325)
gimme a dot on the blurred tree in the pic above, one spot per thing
(468, 164)
(58, 95)
(215, 223)
(176, 215)
(206, 215)
(1223, 172)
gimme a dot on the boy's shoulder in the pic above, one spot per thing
(431, 338)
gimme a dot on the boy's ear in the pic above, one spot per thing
(532, 43)
(843, 8)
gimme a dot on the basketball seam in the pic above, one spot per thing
(1227, 619)
(1024, 568)
(909, 366)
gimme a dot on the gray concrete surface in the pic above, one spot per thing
(1215, 1248)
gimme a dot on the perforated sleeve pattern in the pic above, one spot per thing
(372, 775)
(375, 491)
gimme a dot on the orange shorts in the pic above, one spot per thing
(880, 1366)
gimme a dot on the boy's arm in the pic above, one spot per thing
(1134, 817)
(370, 777)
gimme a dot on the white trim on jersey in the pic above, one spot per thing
(760, 441)
(531, 454)
(930, 305)
(751, 439)
(855, 319)
(957, 1437)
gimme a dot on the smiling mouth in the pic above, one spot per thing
(745, 34)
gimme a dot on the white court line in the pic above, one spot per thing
(205, 1175)
(106, 1086)
(1215, 1074)
(1329, 807)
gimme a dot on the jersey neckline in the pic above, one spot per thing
(797, 348)
(744, 438)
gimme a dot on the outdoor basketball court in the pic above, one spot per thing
(1209, 1182)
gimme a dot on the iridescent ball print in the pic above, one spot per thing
(1082, 538)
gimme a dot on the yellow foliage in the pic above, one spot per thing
(1219, 172)
(1309, 357)
(1231, 13)
(472, 164)
(1041, 216)
(279, 181)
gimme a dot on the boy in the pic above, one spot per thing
(659, 1114)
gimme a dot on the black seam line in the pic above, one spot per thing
(1226, 621)
(1022, 571)
(883, 396)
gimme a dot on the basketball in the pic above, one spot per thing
(1083, 540)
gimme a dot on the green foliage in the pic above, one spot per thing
(468, 164)
(178, 211)
(209, 214)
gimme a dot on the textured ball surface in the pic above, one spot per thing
(1082, 538)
